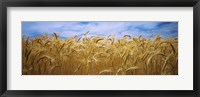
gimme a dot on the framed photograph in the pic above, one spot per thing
(129, 48)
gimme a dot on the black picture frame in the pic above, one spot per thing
(99, 3)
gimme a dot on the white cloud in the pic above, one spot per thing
(119, 29)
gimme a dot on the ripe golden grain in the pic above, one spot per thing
(99, 55)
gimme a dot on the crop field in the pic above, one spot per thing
(97, 55)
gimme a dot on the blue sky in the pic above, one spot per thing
(119, 29)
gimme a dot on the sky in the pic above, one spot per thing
(118, 29)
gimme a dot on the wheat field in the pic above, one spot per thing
(46, 55)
